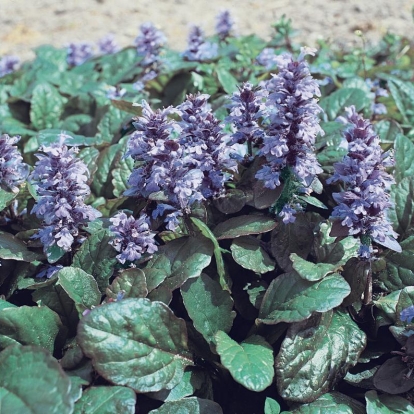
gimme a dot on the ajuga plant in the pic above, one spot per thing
(224, 25)
(228, 228)
(8, 64)
(60, 182)
(78, 53)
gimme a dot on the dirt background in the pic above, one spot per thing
(25, 24)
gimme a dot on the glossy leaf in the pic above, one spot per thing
(243, 226)
(129, 283)
(387, 404)
(290, 298)
(119, 336)
(404, 154)
(248, 253)
(81, 287)
(106, 400)
(393, 377)
(28, 376)
(29, 325)
(192, 405)
(312, 271)
(209, 306)
(271, 406)
(12, 248)
(250, 363)
(329, 343)
(97, 257)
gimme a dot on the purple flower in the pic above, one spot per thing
(107, 45)
(224, 24)
(291, 125)
(133, 238)
(78, 53)
(267, 58)
(377, 91)
(202, 136)
(8, 64)
(61, 186)
(407, 314)
(149, 44)
(363, 204)
(198, 49)
(247, 108)
(115, 92)
(139, 85)
(13, 171)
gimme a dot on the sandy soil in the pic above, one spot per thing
(25, 24)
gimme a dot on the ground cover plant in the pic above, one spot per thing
(223, 229)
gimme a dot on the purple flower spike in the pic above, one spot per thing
(133, 238)
(267, 58)
(8, 64)
(247, 108)
(149, 44)
(13, 171)
(198, 49)
(224, 24)
(362, 206)
(293, 124)
(78, 53)
(61, 186)
(108, 45)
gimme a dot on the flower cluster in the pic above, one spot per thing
(13, 171)
(133, 238)
(60, 179)
(198, 48)
(224, 24)
(149, 43)
(407, 314)
(78, 53)
(246, 109)
(8, 64)
(108, 45)
(292, 124)
(363, 204)
(181, 160)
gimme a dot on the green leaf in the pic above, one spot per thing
(248, 253)
(290, 238)
(271, 406)
(177, 261)
(388, 130)
(243, 226)
(289, 298)
(89, 156)
(312, 271)
(29, 325)
(329, 344)
(97, 257)
(336, 102)
(250, 363)
(55, 298)
(329, 250)
(402, 212)
(31, 381)
(399, 267)
(192, 405)
(110, 124)
(226, 79)
(12, 248)
(74, 122)
(313, 201)
(221, 269)
(119, 336)
(404, 155)
(232, 203)
(209, 306)
(46, 106)
(6, 197)
(106, 400)
(130, 283)
(387, 404)
(121, 175)
(108, 158)
(333, 402)
(81, 287)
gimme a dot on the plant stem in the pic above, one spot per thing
(368, 287)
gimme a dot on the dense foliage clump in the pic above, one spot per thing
(223, 229)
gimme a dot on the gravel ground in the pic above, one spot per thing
(27, 24)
